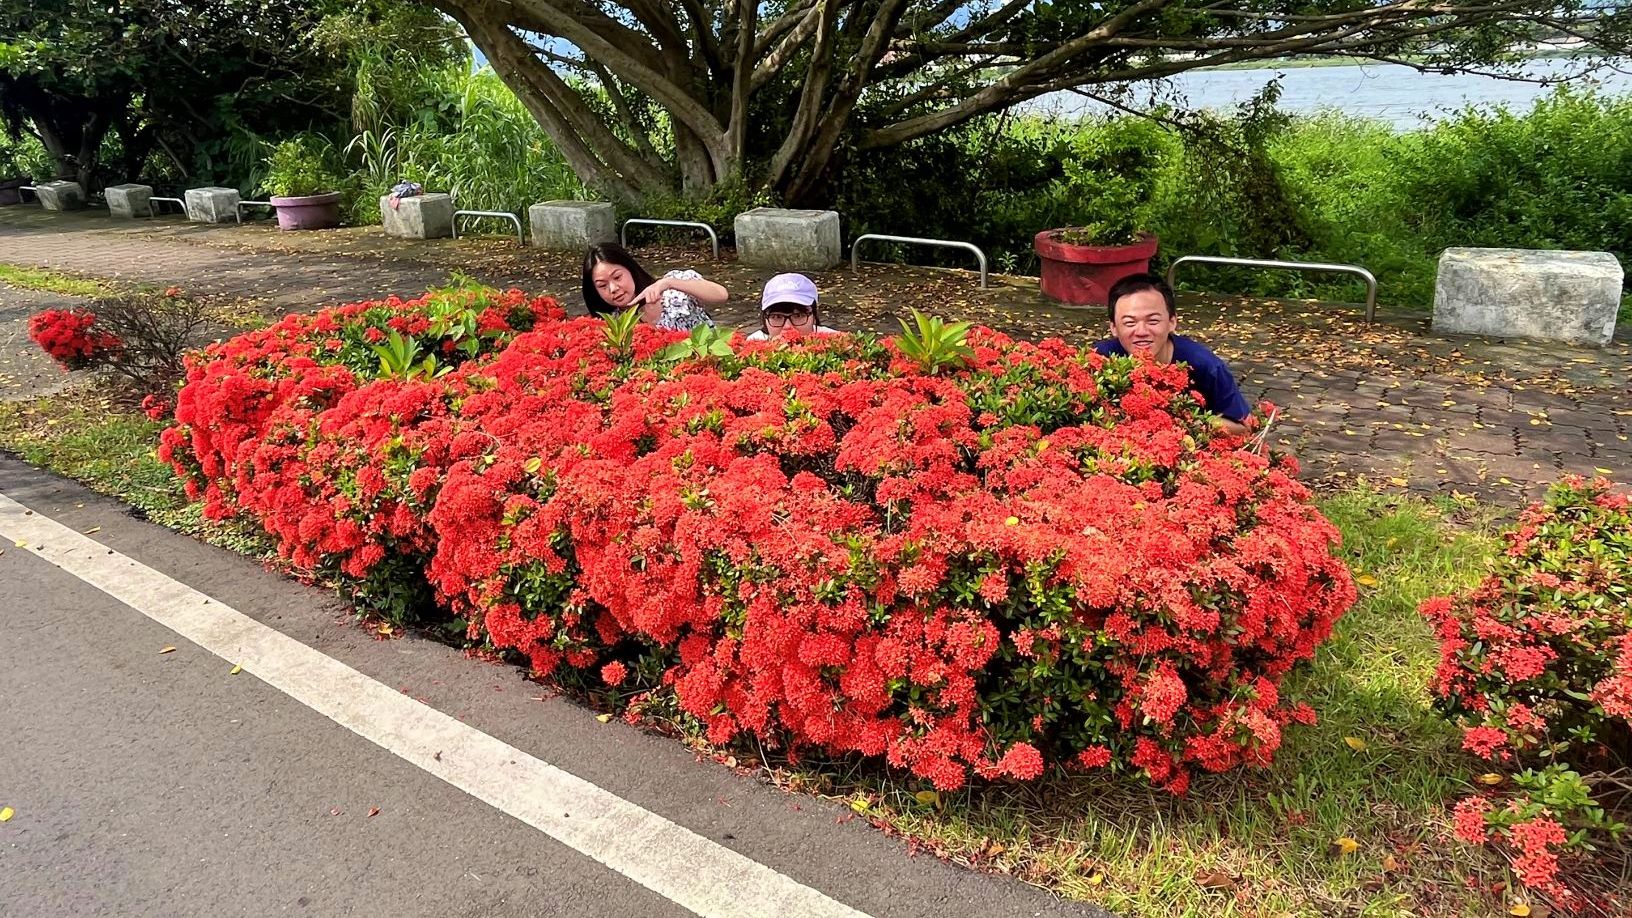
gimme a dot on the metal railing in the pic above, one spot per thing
(152, 202)
(238, 211)
(855, 254)
(492, 215)
(623, 233)
(1356, 270)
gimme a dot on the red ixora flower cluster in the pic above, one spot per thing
(71, 337)
(1044, 556)
(1536, 664)
(1543, 647)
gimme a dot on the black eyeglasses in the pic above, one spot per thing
(797, 316)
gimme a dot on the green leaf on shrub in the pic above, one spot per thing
(934, 343)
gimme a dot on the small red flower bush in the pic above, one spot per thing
(1040, 557)
(1536, 665)
(71, 337)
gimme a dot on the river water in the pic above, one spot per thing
(1394, 93)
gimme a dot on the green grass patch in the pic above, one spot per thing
(87, 436)
(50, 281)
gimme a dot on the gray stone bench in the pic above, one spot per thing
(60, 195)
(1528, 293)
(129, 201)
(422, 216)
(789, 240)
(572, 224)
(212, 205)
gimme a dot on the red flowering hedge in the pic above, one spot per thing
(1043, 556)
(1536, 664)
(71, 337)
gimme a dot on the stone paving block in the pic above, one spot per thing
(129, 201)
(1585, 466)
(60, 195)
(1400, 441)
(212, 205)
(1541, 294)
(422, 216)
(1578, 417)
(1488, 440)
(1487, 398)
(1537, 400)
(788, 240)
(1534, 467)
(572, 225)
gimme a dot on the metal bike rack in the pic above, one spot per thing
(28, 188)
(855, 255)
(490, 214)
(623, 233)
(1356, 270)
(239, 210)
(153, 210)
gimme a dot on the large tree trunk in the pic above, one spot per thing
(77, 148)
(70, 129)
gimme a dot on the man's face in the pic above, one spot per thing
(1142, 323)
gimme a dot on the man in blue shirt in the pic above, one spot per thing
(1143, 318)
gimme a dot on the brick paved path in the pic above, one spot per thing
(1390, 403)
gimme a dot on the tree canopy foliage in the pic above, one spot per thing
(196, 81)
(646, 96)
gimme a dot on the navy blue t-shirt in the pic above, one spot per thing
(1208, 375)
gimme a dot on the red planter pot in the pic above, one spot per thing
(313, 211)
(1082, 275)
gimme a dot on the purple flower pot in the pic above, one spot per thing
(10, 192)
(313, 211)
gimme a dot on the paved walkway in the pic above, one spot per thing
(1391, 402)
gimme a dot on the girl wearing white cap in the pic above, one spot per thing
(789, 304)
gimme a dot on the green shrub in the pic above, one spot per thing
(302, 165)
(1257, 183)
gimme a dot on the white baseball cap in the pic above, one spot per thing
(788, 288)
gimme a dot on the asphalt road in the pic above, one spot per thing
(149, 783)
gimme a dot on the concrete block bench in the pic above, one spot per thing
(212, 205)
(423, 216)
(790, 240)
(1528, 293)
(60, 195)
(129, 201)
(572, 224)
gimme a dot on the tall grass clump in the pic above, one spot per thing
(462, 131)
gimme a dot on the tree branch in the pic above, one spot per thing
(810, 97)
(626, 112)
(742, 73)
(632, 69)
(702, 30)
(515, 63)
(795, 38)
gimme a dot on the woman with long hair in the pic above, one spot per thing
(615, 281)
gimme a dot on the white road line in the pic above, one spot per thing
(668, 859)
